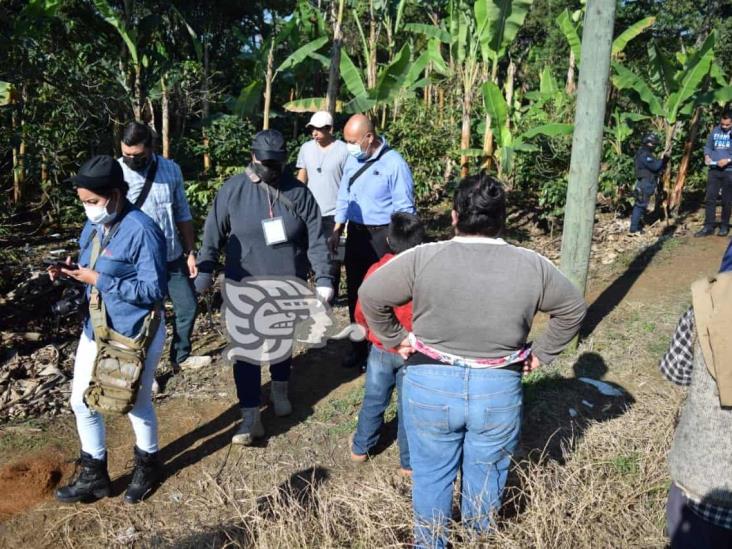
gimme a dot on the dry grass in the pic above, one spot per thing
(607, 491)
(595, 480)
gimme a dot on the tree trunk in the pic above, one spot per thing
(150, 106)
(138, 101)
(371, 64)
(579, 216)
(205, 108)
(675, 199)
(165, 108)
(670, 132)
(510, 79)
(18, 124)
(465, 136)
(571, 87)
(268, 83)
(335, 59)
(488, 148)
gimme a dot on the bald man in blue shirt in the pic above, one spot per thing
(376, 182)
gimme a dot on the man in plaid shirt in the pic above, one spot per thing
(697, 521)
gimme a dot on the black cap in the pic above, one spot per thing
(651, 139)
(269, 145)
(99, 172)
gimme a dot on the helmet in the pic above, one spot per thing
(651, 139)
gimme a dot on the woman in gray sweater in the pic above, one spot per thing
(474, 300)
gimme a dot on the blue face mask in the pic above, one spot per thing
(354, 149)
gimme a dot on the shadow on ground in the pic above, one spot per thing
(295, 495)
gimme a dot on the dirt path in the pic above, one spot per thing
(633, 312)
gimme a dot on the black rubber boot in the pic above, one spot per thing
(89, 483)
(145, 477)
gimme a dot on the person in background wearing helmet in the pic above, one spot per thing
(320, 166)
(718, 157)
(267, 222)
(647, 170)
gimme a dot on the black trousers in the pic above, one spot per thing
(335, 266)
(718, 180)
(365, 245)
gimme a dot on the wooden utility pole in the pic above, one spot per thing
(584, 167)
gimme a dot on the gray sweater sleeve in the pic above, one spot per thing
(389, 286)
(215, 231)
(566, 308)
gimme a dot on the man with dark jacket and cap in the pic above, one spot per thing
(718, 158)
(270, 226)
(647, 170)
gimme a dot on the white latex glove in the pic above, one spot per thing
(324, 293)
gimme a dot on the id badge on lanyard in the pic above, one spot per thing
(274, 231)
(274, 227)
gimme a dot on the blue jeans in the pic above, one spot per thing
(384, 371)
(183, 296)
(459, 419)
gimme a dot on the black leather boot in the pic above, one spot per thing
(89, 483)
(145, 477)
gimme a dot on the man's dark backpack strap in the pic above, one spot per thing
(366, 166)
(149, 178)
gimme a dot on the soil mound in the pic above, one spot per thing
(29, 481)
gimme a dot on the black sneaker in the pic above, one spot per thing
(703, 232)
(723, 231)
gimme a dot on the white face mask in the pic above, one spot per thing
(354, 149)
(99, 214)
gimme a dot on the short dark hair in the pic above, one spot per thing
(137, 133)
(405, 231)
(480, 203)
(726, 114)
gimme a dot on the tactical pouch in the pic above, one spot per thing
(118, 368)
(120, 360)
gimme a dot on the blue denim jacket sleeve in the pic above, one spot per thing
(727, 260)
(181, 209)
(402, 188)
(148, 286)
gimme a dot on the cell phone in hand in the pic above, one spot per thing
(62, 265)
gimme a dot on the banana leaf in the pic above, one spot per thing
(624, 79)
(430, 31)
(498, 24)
(248, 100)
(311, 104)
(662, 70)
(301, 54)
(547, 82)
(548, 130)
(6, 93)
(631, 32)
(129, 36)
(351, 76)
(392, 78)
(569, 29)
(695, 72)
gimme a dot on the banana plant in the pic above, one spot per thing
(675, 88)
(509, 143)
(498, 24)
(263, 54)
(395, 79)
(570, 26)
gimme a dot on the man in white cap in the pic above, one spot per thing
(320, 166)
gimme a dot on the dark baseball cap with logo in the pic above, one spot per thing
(269, 145)
(99, 172)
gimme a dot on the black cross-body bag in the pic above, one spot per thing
(366, 166)
(149, 178)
